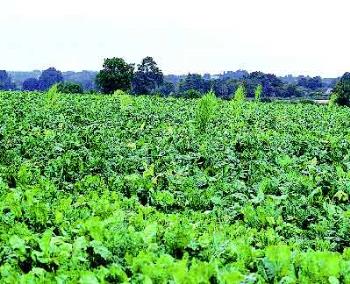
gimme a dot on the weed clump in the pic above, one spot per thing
(205, 110)
(125, 100)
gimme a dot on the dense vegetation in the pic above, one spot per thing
(110, 189)
(341, 92)
(148, 78)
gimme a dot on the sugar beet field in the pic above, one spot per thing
(122, 189)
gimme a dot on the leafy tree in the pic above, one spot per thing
(30, 84)
(341, 92)
(292, 90)
(206, 76)
(69, 88)
(5, 81)
(272, 86)
(115, 75)
(237, 75)
(315, 83)
(86, 79)
(224, 88)
(194, 82)
(48, 78)
(192, 94)
(147, 78)
(167, 88)
(312, 83)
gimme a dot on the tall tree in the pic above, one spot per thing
(167, 88)
(312, 83)
(30, 84)
(272, 86)
(224, 88)
(48, 78)
(292, 90)
(341, 92)
(148, 77)
(115, 75)
(194, 82)
(5, 81)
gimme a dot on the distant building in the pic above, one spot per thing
(328, 91)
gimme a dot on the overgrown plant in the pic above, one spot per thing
(238, 99)
(205, 110)
(257, 93)
(119, 93)
(51, 96)
(125, 100)
(240, 94)
(52, 92)
(333, 99)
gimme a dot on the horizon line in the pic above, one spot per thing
(186, 73)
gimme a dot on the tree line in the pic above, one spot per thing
(147, 78)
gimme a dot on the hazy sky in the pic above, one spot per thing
(298, 37)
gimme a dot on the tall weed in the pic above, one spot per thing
(205, 110)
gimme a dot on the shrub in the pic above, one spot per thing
(307, 102)
(192, 94)
(69, 88)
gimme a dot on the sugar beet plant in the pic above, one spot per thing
(98, 189)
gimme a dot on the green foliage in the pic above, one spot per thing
(93, 192)
(115, 75)
(278, 263)
(118, 93)
(192, 94)
(307, 101)
(5, 81)
(258, 92)
(205, 110)
(193, 82)
(48, 78)
(51, 96)
(52, 92)
(240, 94)
(341, 93)
(237, 104)
(147, 78)
(333, 99)
(69, 88)
(125, 100)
